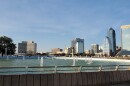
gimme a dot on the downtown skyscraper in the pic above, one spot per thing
(94, 48)
(125, 37)
(106, 46)
(112, 40)
(125, 40)
(78, 45)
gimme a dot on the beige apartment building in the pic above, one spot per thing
(27, 47)
(56, 51)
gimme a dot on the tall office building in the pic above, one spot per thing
(27, 47)
(112, 37)
(125, 34)
(67, 50)
(22, 47)
(106, 46)
(78, 45)
(125, 40)
(94, 48)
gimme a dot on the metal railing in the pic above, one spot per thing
(61, 69)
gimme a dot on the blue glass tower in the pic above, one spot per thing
(112, 37)
(106, 46)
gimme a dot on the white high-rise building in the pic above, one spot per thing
(27, 47)
(125, 40)
(125, 37)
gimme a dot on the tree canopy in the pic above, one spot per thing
(6, 45)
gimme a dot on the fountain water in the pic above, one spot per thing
(41, 61)
(38, 57)
(7, 57)
(52, 58)
(73, 57)
(23, 57)
(73, 61)
(90, 60)
(76, 59)
(86, 60)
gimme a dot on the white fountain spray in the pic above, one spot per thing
(86, 60)
(7, 57)
(90, 60)
(73, 57)
(23, 57)
(38, 58)
(41, 61)
(73, 61)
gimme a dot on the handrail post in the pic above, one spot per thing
(26, 68)
(80, 68)
(100, 68)
(117, 68)
(55, 69)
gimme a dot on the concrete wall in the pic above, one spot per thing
(66, 79)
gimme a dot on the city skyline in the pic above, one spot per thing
(54, 23)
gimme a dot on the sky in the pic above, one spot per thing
(54, 23)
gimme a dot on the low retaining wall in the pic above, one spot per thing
(66, 79)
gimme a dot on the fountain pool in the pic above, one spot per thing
(36, 64)
(58, 61)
